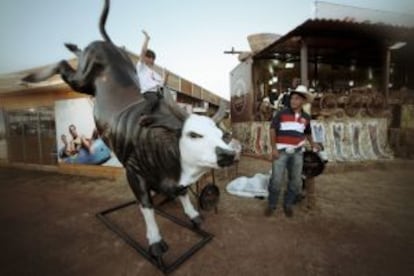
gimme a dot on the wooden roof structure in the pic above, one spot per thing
(336, 41)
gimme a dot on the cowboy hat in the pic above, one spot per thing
(303, 91)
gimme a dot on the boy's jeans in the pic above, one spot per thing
(293, 162)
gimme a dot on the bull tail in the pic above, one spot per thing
(102, 22)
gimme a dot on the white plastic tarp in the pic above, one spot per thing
(255, 186)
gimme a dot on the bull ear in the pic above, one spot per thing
(73, 48)
(220, 112)
(175, 109)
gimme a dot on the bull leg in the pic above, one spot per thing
(87, 65)
(82, 79)
(157, 246)
(190, 211)
(41, 75)
(67, 73)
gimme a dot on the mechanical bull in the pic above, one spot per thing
(168, 155)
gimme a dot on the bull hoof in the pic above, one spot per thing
(180, 190)
(157, 249)
(29, 78)
(197, 221)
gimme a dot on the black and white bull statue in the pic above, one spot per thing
(165, 157)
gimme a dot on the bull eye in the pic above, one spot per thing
(194, 135)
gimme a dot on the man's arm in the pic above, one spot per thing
(86, 143)
(145, 44)
(275, 152)
(309, 138)
(274, 126)
(72, 147)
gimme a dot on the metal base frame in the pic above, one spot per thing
(165, 268)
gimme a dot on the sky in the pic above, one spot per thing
(189, 36)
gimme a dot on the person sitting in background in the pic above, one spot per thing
(66, 150)
(225, 124)
(273, 96)
(72, 147)
(265, 111)
(285, 100)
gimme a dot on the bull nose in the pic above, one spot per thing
(225, 157)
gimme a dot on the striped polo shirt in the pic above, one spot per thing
(291, 128)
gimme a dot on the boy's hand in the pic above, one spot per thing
(316, 147)
(275, 154)
(146, 34)
(167, 75)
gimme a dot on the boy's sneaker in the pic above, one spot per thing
(269, 211)
(288, 211)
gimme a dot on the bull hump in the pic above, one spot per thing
(151, 152)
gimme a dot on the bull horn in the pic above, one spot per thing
(175, 109)
(220, 112)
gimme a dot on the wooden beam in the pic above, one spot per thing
(304, 63)
(386, 72)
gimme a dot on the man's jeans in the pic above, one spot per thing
(293, 163)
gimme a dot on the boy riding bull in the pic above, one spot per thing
(150, 81)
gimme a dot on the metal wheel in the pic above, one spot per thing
(209, 197)
(312, 164)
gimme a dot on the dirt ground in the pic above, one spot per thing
(363, 225)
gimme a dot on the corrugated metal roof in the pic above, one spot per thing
(11, 82)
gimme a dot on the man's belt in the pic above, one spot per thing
(292, 150)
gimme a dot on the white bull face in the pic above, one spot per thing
(202, 146)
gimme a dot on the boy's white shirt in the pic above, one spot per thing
(149, 80)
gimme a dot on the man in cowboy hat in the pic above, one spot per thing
(289, 129)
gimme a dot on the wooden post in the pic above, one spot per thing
(304, 63)
(315, 71)
(386, 73)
